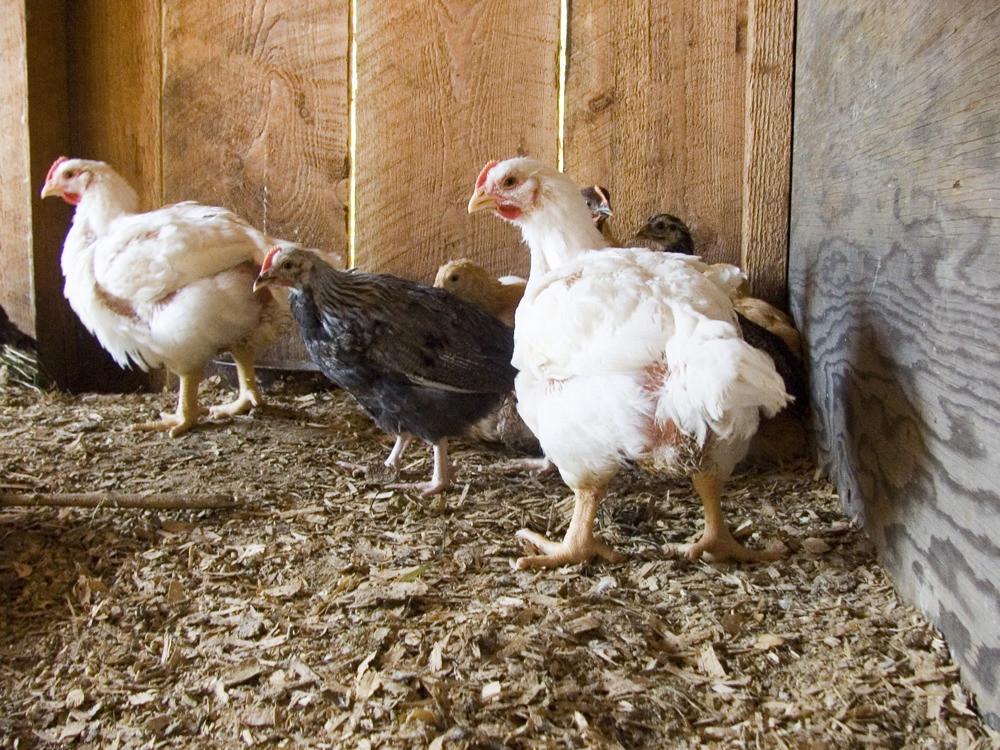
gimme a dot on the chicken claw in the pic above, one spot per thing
(712, 548)
(579, 545)
(249, 396)
(565, 552)
(240, 405)
(717, 543)
(540, 467)
(442, 478)
(188, 410)
(175, 423)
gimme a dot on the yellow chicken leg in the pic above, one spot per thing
(579, 544)
(248, 396)
(188, 412)
(717, 543)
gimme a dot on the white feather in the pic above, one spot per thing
(166, 288)
(625, 354)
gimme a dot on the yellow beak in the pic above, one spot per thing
(49, 189)
(481, 202)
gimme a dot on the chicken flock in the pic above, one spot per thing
(608, 354)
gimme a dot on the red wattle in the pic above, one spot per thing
(509, 212)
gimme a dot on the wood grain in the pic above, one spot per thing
(114, 89)
(16, 288)
(255, 113)
(72, 356)
(444, 86)
(767, 151)
(255, 118)
(896, 281)
(654, 111)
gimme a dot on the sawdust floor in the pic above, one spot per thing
(325, 611)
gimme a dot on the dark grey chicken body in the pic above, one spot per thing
(420, 361)
(416, 359)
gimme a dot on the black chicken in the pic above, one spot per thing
(420, 361)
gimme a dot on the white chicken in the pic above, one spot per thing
(167, 288)
(624, 355)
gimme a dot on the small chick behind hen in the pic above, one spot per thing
(473, 283)
(499, 297)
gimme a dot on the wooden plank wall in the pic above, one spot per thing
(255, 118)
(655, 113)
(255, 113)
(895, 271)
(443, 87)
(15, 169)
(246, 103)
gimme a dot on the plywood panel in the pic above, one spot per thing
(444, 86)
(896, 281)
(654, 111)
(15, 185)
(255, 113)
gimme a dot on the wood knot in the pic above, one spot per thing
(601, 102)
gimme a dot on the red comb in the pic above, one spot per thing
(481, 180)
(55, 164)
(269, 259)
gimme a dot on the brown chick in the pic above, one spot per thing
(475, 284)
(599, 202)
(503, 426)
(770, 317)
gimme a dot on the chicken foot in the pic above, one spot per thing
(188, 411)
(579, 544)
(540, 467)
(717, 544)
(249, 395)
(441, 479)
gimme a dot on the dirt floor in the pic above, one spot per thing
(326, 611)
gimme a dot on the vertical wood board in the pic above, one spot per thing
(255, 113)
(655, 113)
(896, 282)
(114, 89)
(444, 86)
(16, 289)
(255, 118)
(767, 151)
(71, 354)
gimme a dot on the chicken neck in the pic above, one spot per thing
(107, 199)
(558, 235)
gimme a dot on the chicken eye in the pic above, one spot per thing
(70, 174)
(454, 277)
(509, 181)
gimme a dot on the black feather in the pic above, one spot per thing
(416, 358)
